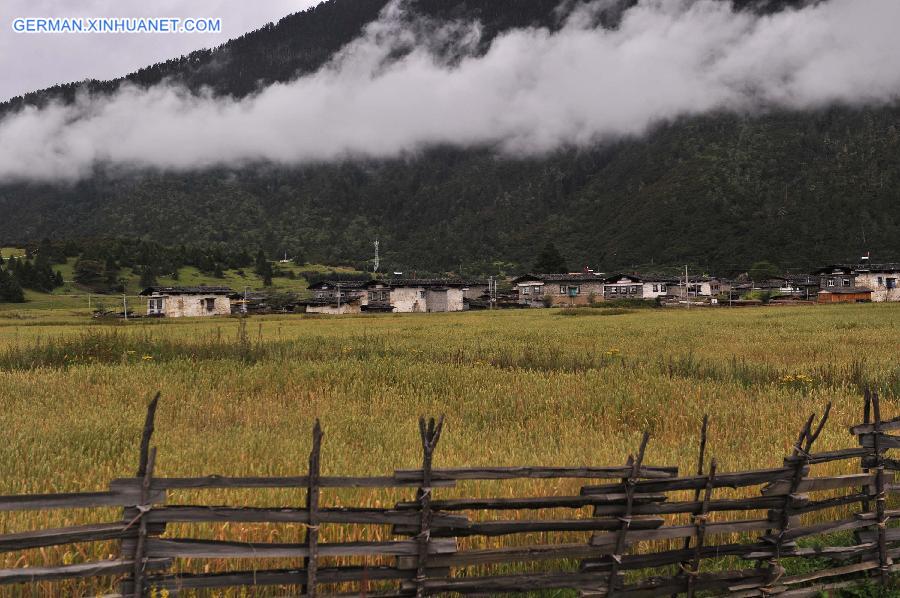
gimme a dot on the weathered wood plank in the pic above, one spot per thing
(184, 548)
(823, 483)
(201, 513)
(64, 535)
(682, 531)
(218, 481)
(122, 497)
(536, 472)
(533, 502)
(95, 569)
(725, 480)
(501, 528)
(273, 577)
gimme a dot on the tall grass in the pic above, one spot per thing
(525, 387)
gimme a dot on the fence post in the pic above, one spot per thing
(146, 462)
(700, 520)
(629, 484)
(140, 549)
(800, 457)
(312, 507)
(704, 428)
(430, 434)
(884, 563)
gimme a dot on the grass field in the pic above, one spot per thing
(520, 387)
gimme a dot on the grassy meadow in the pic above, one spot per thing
(520, 387)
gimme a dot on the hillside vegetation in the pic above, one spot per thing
(721, 191)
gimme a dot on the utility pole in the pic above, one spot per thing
(244, 306)
(339, 296)
(125, 304)
(377, 261)
(490, 292)
(687, 288)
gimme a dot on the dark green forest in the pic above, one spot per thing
(722, 191)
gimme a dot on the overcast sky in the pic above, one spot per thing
(30, 61)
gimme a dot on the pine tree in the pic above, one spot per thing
(264, 268)
(550, 261)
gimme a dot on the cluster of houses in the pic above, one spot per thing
(831, 284)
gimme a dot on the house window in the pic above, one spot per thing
(662, 288)
(656, 288)
(209, 303)
(538, 290)
(613, 290)
(526, 290)
(636, 289)
(891, 283)
(562, 289)
(421, 294)
(155, 305)
(831, 282)
(846, 282)
(880, 281)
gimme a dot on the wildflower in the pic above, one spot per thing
(147, 357)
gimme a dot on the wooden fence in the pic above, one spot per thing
(651, 532)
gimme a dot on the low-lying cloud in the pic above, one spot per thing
(532, 91)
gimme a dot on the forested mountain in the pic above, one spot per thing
(721, 190)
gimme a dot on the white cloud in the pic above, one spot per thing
(532, 91)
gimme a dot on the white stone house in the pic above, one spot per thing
(413, 295)
(882, 279)
(181, 302)
(630, 286)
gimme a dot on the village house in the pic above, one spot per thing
(879, 282)
(699, 286)
(179, 302)
(883, 279)
(414, 295)
(632, 286)
(539, 290)
(334, 297)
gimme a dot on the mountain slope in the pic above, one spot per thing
(719, 190)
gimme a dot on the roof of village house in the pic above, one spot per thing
(344, 284)
(834, 269)
(618, 277)
(846, 290)
(421, 282)
(571, 277)
(892, 267)
(200, 290)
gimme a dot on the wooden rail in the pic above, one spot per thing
(658, 526)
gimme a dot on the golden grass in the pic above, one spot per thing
(523, 387)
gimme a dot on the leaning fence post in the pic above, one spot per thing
(146, 461)
(146, 435)
(884, 563)
(629, 484)
(430, 435)
(704, 428)
(140, 549)
(312, 508)
(700, 520)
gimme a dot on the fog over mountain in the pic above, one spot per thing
(410, 82)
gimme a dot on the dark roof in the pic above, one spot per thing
(894, 267)
(617, 277)
(201, 290)
(421, 282)
(332, 284)
(333, 302)
(846, 290)
(834, 269)
(572, 277)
